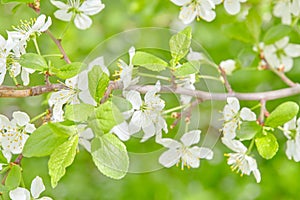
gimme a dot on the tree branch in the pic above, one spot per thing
(58, 44)
(16, 92)
(226, 82)
(10, 91)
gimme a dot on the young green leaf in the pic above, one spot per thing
(282, 114)
(110, 156)
(107, 115)
(187, 68)
(68, 70)
(149, 61)
(98, 82)
(13, 178)
(248, 130)
(33, 61)
(62, 157)
(267, 145)
(275, 33)
(46, 138)
(121, 103)
(180, 44)
(78, 112)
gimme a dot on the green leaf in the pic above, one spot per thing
(62, 157)
(267, 145)
(68, 70)
(107, 115)
(98, 82)
(238, 31)
(110, 156)
(187, 68)
(149, 61)
(180, 44)
(275, 33)
(20, 1)
(46, 138)
(78, 112)
(248, 130)
(13, 178)
(282, 114)
(253, 23)
(33, 61)
(121, 103)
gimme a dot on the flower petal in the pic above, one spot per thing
(63, 15)
(91, 7)
(134, 98)
(232, 6)
(181, 2)
(234, 145)
(169, 158)
(82, 21)
(37, 187)
(187, 14)
(21, 118)
(122, 131)
(19, 194)
(202, 152)
(60, 4)
(247, 115)
(191, 137)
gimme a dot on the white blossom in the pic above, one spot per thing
(239, 160)
(280, 54)
(14, 133)
(190, 156)
(286, 9)
(85, 137)
(292, 132)
(146, 115)
(228, 66)
(23, 33)
(187, 83)
(233, 117)
(233, 6)
(80, 12)
(37, 187)
(196, 8)
(77, 89)
(126, 71)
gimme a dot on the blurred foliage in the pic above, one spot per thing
(214, 179)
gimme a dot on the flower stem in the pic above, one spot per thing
(154, 76)
(256, 106)
(250, 147)
(52, 55)
(36, 46)
(175, 108)
(208, 77)
(39, 116)
(65, 30)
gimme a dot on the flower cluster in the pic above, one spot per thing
(145, 115)
(14, 133)
(280, 54)
(292, 133)
(77, 11)
(286, 9)
(233, 117)
(77, 89)
(205, 9)
(189, 156)
(240, 160)
(15, 46)
(36, 188)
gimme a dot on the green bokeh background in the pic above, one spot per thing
(214, 179)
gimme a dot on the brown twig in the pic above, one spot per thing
(58, 44)
(226, 82)
(279, 73)
(16, 92)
